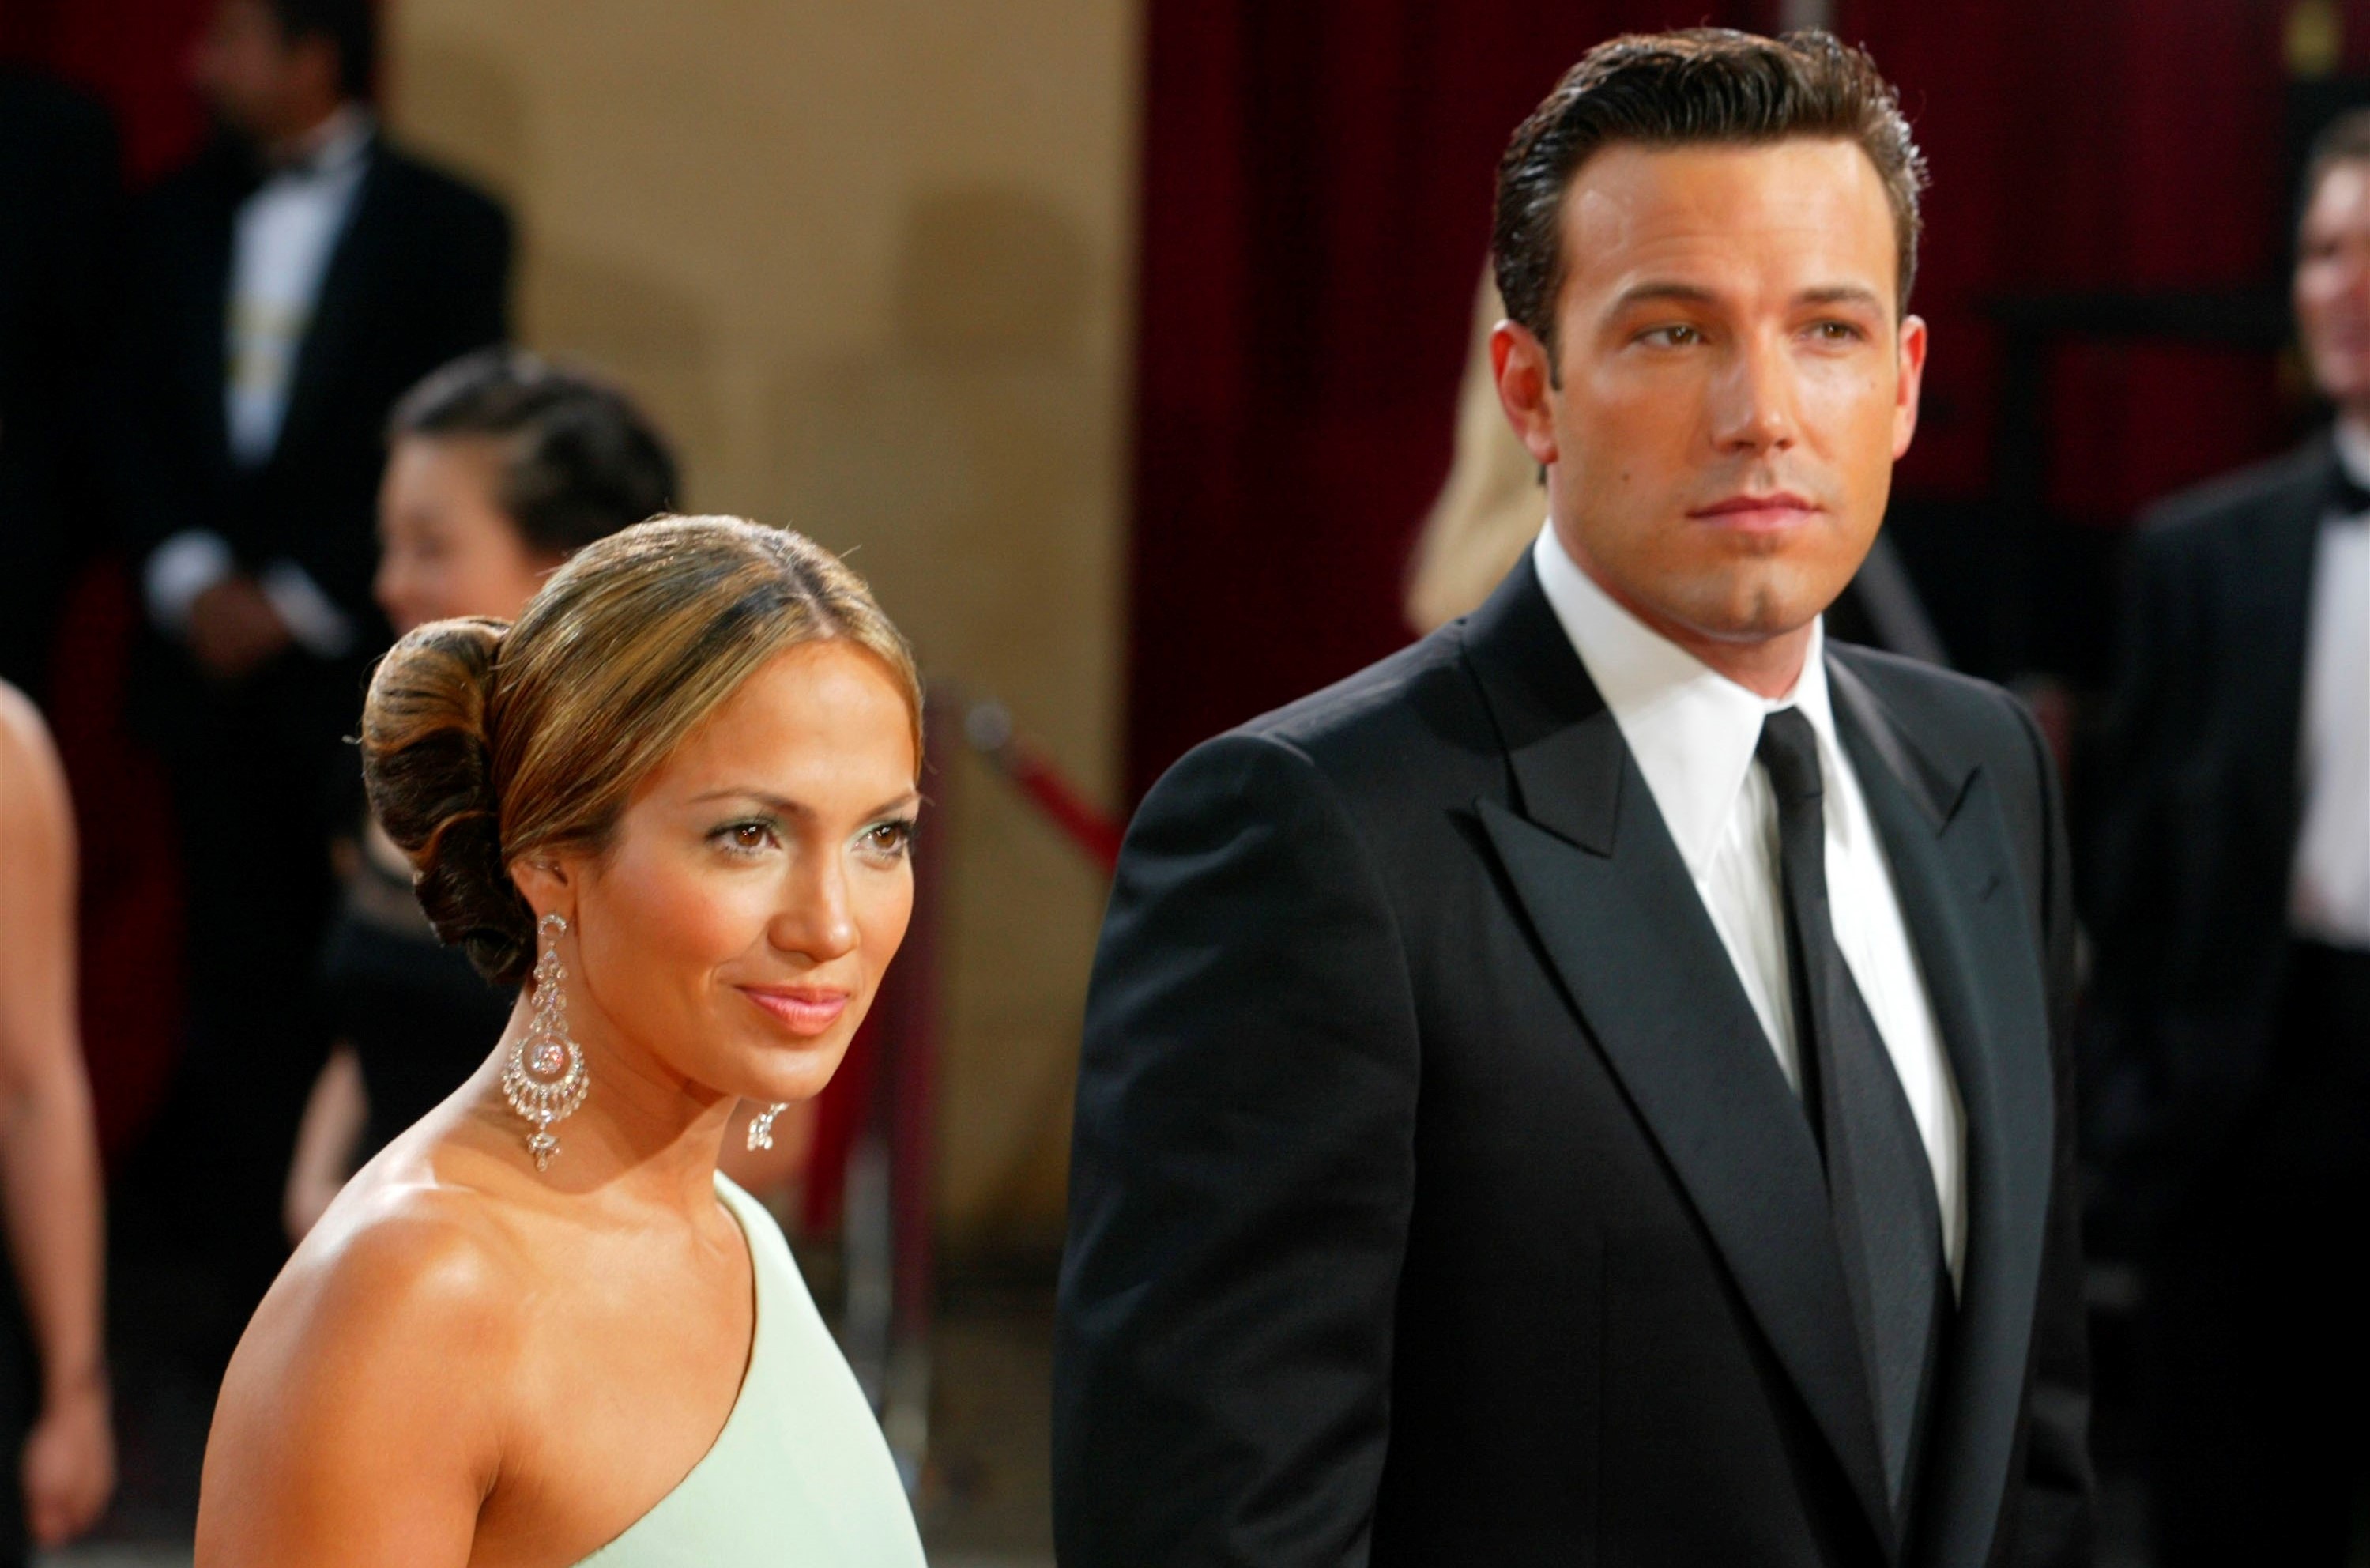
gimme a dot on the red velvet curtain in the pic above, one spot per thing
(1316, 195)
(1317, 188)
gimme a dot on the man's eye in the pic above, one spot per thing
(1672, 337)
(1837, 332)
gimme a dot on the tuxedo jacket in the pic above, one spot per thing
(2196, 836)
(1438, 1198)
(419, 274)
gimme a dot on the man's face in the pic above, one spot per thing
(260, 83)
(1736, 381)
(2333, 283)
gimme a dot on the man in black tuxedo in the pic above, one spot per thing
(1594, 1087)
(286, 289)
(2229, 895)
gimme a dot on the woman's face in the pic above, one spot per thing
(734, 932)
(446, 548)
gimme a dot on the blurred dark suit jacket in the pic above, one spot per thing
(420, 275)
(2195, 841)
(1439, 1199)
(58, 218)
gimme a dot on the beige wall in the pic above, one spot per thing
(869, 264)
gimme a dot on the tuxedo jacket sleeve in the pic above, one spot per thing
(1241, 1184)
(2056, 1526)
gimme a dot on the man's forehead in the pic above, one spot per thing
(1803, 200)
(2341, 197)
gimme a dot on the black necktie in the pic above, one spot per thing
(1879, 1182)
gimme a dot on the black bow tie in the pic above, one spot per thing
(2347, 495)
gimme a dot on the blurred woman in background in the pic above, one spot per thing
(499, 467)
(53, 1399)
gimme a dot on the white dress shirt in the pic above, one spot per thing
(1694, 733)
(282, 238)
(2330, 890)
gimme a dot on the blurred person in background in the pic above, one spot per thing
(2229, 898)
(500, 466)
(53, 1393)
(285, 290)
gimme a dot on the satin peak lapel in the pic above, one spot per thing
(1604, 889)
(1953, 866)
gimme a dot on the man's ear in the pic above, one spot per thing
(1526, 387)
(1911, 372)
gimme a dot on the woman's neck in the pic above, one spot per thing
(643, 1132)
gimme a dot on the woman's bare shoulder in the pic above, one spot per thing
(371, 1386)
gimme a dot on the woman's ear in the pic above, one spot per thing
(547, 883)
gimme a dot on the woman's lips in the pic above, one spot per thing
(800, 1010)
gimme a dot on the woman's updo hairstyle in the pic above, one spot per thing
(483, 744)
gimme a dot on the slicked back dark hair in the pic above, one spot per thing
(579, 460)
(1694, 87)
(351, 25)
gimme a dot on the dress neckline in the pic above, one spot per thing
(727, 1193)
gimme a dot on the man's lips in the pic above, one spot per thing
(1779, 509)
(801, 1009)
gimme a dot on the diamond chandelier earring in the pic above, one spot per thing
(761, 1125)
(544, 1077)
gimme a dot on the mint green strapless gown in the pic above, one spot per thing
(801, 1476)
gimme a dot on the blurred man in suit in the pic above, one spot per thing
(2230, 899)
(1594, 1087)
(286, 289)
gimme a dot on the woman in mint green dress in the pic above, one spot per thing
(674, 803)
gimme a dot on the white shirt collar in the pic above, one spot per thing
(2353, 451)
(335, 146)
(1692, 730)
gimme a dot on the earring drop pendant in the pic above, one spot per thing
(761, 1127)
(544, 1077)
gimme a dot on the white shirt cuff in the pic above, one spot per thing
(312, 617)
(180, 568)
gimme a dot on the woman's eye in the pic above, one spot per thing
(746, 837)
(888, 840)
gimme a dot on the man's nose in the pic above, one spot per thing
(1752, 400)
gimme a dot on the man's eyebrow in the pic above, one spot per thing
(1662, 290)
(1842, 293)
(1672, 292)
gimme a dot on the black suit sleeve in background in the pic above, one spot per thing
(2055, 1504)
(437, 287)
(1242, 1179)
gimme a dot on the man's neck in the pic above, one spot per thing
(303, 145)
(1769, 667)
